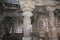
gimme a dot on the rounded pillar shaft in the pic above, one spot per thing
(27, 24)
(53, 32)
(27, 7)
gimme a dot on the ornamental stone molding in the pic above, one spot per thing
(51, 2)
(50, 8)
(27, 5)
(40, 2)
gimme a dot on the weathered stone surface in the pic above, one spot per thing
(53, 30)
(27, 38)
(27, 7)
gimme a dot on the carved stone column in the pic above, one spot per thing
(27, 25)
(53, 31)
(27, 7)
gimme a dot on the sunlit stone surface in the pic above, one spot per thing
(27, 7)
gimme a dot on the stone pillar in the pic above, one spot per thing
(27, 7)
(27, 25)
(53, 31)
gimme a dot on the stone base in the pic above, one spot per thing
(27, 38)
(54, 38)
(34, 38)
